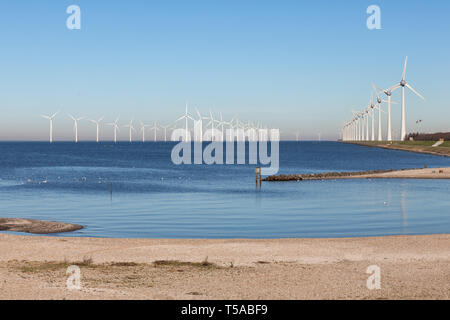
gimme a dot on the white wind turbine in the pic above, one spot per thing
(371, 112)
(155, 128)
(221, 124)
(143, 126)
(50, 118)
(357, 118)
(130, 128)
(404, 84)
(165, 131)
(378, 105)
(116, 128)
(75, 126)
(97, 123)
(199, 126)
(230, 126)
(186, 117)
(174, 127)
(211, 122)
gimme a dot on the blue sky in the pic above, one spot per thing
(295, 65)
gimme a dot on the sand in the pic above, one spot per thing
(412, 267)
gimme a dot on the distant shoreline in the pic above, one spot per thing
(416, 148)
(426, 173)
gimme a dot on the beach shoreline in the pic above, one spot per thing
(412, 267)
(425, 173)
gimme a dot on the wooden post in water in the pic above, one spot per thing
(258, 175)
(110, 188)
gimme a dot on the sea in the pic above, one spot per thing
(134, 190)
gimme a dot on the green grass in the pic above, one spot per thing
(416, 143)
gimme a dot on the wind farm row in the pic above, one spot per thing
(216, 127)
(358, 128)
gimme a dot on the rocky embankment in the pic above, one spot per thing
(322, 176)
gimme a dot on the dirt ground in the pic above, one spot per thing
(411, 267)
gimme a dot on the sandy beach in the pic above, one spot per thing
(412, 267)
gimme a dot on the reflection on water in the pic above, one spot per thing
(403, 206)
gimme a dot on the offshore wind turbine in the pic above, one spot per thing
(221, 123)
(75, 126)
(50, 118)
(403, 84)
(230, 126)
(143, 126)
(199, 124)
(165, 131)
(131, 128)
(186, 117)
(155, 127)
(116, 127)
(211, 122)
(97, 122)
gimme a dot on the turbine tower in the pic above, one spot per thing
(378, 105)
(403, 84)
(116, 127)
(186, 117)
(97, 123)
(165, 131)
(155, 128)
(143, 126)
(199, 125)
(211, 122)
(75, 126)
(50, 118)
(131, 128)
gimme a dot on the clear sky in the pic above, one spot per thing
(295, 65)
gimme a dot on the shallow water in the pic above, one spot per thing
(153, 198)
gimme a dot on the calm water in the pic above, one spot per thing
(153, 198)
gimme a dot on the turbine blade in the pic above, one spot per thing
(418, 94)
(404, 69)
(392, 89)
